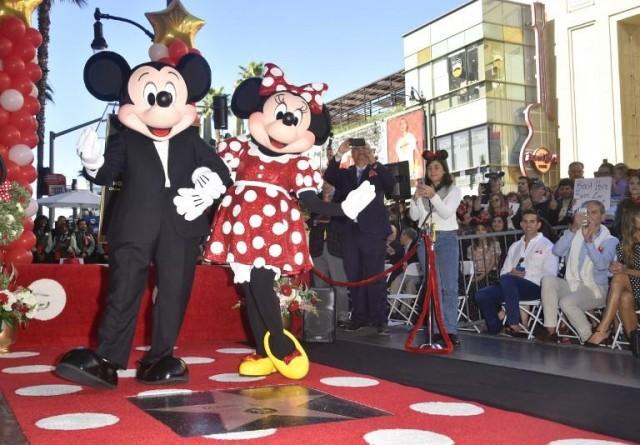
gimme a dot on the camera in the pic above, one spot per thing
(357, 142)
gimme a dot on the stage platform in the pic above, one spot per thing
(210, 315)
(596, 390)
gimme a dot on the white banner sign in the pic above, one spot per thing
(588, 189)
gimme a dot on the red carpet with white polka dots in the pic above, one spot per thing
(52, 411)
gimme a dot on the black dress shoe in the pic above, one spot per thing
(383, 329)
(353, 326)
(168, 369)
(634, 343)
(85, 367)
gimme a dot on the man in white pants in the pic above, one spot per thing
(589, 249)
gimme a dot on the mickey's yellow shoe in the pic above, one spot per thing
(255, 365)
(295, 365)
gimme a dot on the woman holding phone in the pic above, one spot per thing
(436, 201)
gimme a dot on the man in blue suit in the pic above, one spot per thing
(364, 241)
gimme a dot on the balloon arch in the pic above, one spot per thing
(19, 72)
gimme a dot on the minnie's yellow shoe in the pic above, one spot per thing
(295, 365)
(255, 365)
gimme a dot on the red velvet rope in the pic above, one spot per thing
(369, 280)
(430, 297)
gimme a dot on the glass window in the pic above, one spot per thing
(514, 63)
(515, 92)
(512, 14)
(457, 65)
(461, 148)
(444, 143)
(440, 77)
(529, 65)
(494, 60)
(425, 81)
(479, 146)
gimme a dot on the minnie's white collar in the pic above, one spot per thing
(282, 159)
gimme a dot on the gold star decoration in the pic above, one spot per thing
(174, 22)
(23, 9)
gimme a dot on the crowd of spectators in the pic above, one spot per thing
(67, 241)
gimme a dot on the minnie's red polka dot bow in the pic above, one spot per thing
(273, 81)
(5, 189)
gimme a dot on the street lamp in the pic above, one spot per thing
(99, 43)
(425, 105)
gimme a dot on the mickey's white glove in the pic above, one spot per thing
(358, 199)
(208, 183)
(191, 203)
(90, 149)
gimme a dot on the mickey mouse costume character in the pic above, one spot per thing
(258, 228)
(158, 154)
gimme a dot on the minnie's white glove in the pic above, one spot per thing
(90, 149)
(208, 182)
(358, 199)
(191, 203)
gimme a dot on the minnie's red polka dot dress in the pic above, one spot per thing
(258, 223)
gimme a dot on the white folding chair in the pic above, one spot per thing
(532, 310)
(403, 306)
(468, 273)
(617, 336)
(593, 315)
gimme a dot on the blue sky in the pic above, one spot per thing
(345, 44)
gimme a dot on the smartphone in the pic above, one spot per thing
(357, 142)
(583, 213)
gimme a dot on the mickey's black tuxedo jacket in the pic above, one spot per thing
(143, 201)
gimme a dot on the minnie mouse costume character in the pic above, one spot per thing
(159, 155)
(258, 228)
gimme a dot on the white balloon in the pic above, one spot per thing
(31, 209)
(157, 51)
(11, 100)
(34, 90)
(21, 154)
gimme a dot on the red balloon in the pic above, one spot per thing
(26, 241)
(4, 117)
(5, 80)
(5, 47)
(195, 51)
(34, 36)
(178, 49)
(4, 152)
(22, 83)
(27, 174)
(30, 139)
(24, 50)
(9, 135)
(22, 120)
(12, 28)
(27, 223)
(13, 170)
(33, 71)
(13, 65)
(31, 104)
(18, 256)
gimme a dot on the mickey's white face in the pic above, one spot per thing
(283, 124)
(159, 108)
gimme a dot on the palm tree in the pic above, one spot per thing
(207, 112)
(44, 91)
(253, 69)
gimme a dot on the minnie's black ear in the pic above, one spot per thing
(105, 75)
(321, 125)
(245, 99)
(196, 73)
(443, 155)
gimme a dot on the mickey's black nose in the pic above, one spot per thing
(164, 99)
(289, 119)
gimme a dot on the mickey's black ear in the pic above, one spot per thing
(245, 99)
(105, 75)
(196, 73)
(321, 125)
